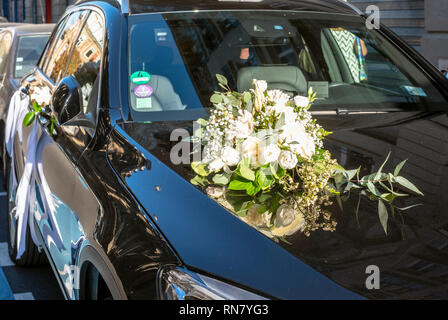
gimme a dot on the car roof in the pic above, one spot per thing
(152, 6)
(27, 29)
(141, 6)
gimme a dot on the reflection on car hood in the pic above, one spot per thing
(412, 258)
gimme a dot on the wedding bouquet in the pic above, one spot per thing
(263, 159)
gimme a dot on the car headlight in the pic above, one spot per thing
(175, 283)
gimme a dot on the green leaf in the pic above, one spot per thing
(245, 171)
(238, 184)
(51, 128)
(339, 201)
(357, 210)
(264, 179)
(199, 181)
(383, 215)
(253, 189)
(399, 167)
(36, 107)
(378, 174)
(247, 98)
(407, 184)
(349, 174)
(29, 118)
(216, 98)
(199, 168)
(221, 179)
(222, 79)
(373, 189)
(410, 207)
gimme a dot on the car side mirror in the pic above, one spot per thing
(67, 104)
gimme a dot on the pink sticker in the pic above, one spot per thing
(143, 91)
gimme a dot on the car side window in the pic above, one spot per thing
(5, 46)
(60, 49)
(86, 58)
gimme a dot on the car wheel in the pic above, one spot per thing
(31, 256)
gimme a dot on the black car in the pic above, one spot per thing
(20, 48)
(120, 220)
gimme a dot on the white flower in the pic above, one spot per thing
(215, 192)
(304, 148)
(253, 217)
(290, 115)
(285, 216)
(292, 131)
(301, 101)
(243, 126)
(260, 86)
(268, 154)
(277, 97)
(230, 156)
(249, 150)
(300, 142)
(42, 96)
(287, 221)
(216, 165)
(287, 160)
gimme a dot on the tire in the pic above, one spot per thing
(31, 256)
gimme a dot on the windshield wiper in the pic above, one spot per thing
(345, 111)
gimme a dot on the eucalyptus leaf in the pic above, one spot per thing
(378, 174)
(222, 79)
(399, 167)
(407, 184)
(383, 215)
(199, 168)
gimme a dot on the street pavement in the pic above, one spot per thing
(19, 283)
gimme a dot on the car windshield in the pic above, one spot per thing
(174, 57)
(28, 52)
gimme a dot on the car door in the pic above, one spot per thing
(62, 193)
(5, 47)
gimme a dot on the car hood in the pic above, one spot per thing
(412, 257)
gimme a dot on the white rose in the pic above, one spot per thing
(216, 165)
(293, 131)
(243, 126)
(249, 149)
(277, 97)
(287, 160)
(42, 96)
(305, 147)
(230, 156)
(287, 221)
(268, 154)
(285, 216)
(301, 101)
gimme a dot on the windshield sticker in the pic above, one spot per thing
(144, 103)
(18, 67)
(415, 91)
(140, 77)
(19, 59)
(143, 91)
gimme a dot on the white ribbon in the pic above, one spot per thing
(26, 193)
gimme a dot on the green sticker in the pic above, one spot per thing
(140, 77)
(144, 103)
